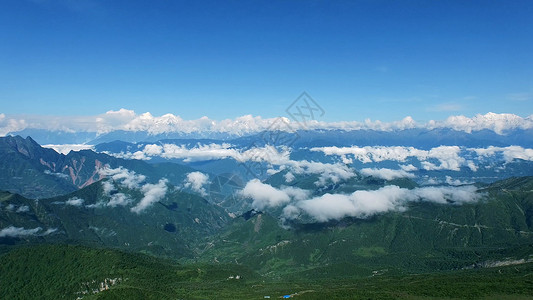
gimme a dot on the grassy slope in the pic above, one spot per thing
(427, 237)
(62, 272)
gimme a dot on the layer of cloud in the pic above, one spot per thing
(131, 180)
(66, 148)
(196, 182)
(387, 174)
(362, 204)
(448, 157)
(124, 176)
(267, 196)
(75, 201)
(509, 153)
(268, 155)
(14, 208)
(13, 231)
(152, 194)
(128, 120)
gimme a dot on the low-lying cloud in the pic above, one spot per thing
(359, 204)
(152, 193)
(13, 231)
(268, 155)
(124, 176)
(66, 148)
(75, 201)
(196, 182)
(267, 196)
(387, 174)
(362, 204)
(129, 179)
(448, 157)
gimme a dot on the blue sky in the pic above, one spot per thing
(358, 59)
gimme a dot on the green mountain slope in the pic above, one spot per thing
(426, 237)
(74, 272)
(171, 227)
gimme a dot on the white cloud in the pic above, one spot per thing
(449, 180)
(59, 175)
(269, 155)
(387, 174)
(447, 156)
(362, 204)
(264, 195)
(23, 208)
(267, 196)
(128, 120)
(108, 187)
(198, 153)
(124, 176)
(129, 179)
(196, 181)
(152, 193)
(75, 201)
(118, 199)
(289, 177)
(509, 153)
(13, 231)
(498, 123)
(408, 168)
(66, 148)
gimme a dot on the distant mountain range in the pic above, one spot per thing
(416, 137)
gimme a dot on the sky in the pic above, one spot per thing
(223, 59)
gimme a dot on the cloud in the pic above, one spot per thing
(267, 196)
(387, 174)
(66, 148)
(269, 155)
(23, 209)
(123, 176)
(449, 180)
(59, 175)
(509, 153)
(447, 156)
(152, 193)
(362, 204)
(118, 199)
(12, 231)
(498, 123)
(75, 201)
(264, 195)
(289, 177)
(128, 120)
(196, 181)
(408, 168)
(129, 179)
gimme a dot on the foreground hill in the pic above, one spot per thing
(74, 272)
